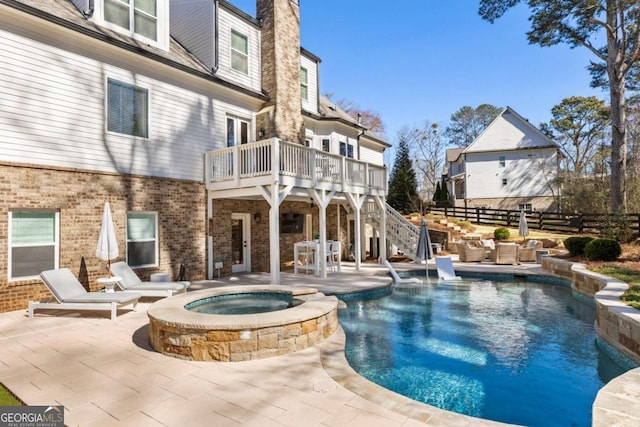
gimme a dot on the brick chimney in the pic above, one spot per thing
(282, 115)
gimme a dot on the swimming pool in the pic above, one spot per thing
(516, 352)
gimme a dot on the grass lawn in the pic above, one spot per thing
(7, 399)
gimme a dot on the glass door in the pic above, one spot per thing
(240, 243)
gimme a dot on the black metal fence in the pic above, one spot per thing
(550, 221)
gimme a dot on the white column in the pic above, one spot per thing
(382, 206)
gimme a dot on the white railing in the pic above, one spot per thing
(400, 231)
(274, 157)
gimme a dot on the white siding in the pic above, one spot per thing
(193, 25)
(508, 132)
(310, 104)
(228, 22)
(528, 173)
(371, 156)
(52, 109)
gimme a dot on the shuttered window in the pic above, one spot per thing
(239, 52)
(304, 83)
(142, 239)
(33, 243)
(136, 16)
(127, 109)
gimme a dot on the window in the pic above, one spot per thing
(237, 131)
(138, 17)
(502, 161)
(239, 52)
(525, 207)
(504, 182)
(326, 145)
(346, 149)
(142, 239)
(304, 83)
(127, 109)
(33, 243)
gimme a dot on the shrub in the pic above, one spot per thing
(575, 245)
(603, 250)
(501, 233)
(632, 296)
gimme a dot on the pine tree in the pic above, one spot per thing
(437, 195)
(403, 193)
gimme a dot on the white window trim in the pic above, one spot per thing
(237, 120)
(157, 240)
(162, 8)
(305, 84)
(232, 50)
(10, 246)
(106, 109)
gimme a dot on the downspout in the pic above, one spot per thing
(216, 56)
(88, 13)
(362, 132)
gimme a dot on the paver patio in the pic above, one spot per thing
(105, 373)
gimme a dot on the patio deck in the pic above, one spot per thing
(105, 372)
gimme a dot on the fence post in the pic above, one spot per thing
(581, 224)
(540, 221)
(478, 216)
(446, 211)
(508, 218)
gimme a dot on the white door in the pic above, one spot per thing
(240, 242)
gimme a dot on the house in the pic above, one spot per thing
(510, 165)
(201, 125)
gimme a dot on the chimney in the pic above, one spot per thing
(282, 115)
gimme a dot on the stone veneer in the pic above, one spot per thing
(616, 323)
(79, 197)
(280, 45)
(177, 332)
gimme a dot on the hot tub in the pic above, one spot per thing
(178, 332)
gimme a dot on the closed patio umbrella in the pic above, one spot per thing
(107, 242)
(523, 227)
(424, 251)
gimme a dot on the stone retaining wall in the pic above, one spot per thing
(616, 323)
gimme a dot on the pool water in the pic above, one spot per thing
(244, 303)
(515, 352)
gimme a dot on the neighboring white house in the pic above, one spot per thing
(182, 116)
(510, 165)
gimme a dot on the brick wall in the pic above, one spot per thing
(79, 196)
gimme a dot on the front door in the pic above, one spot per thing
(240, 242)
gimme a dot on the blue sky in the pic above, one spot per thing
(418, 60)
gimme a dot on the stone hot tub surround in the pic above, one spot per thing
(178, 332)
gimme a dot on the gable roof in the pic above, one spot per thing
(509, 131)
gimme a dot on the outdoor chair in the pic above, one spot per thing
(397, 279)
(131, 282)
(467, 253)
(71, 295)
(528, 250)
(505, 253)
(444, 265)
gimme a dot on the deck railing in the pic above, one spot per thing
(229, 167)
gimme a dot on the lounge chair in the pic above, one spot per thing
(71, 295)
(397, 279)
(467, 253)
(131, 282)
(445, 269)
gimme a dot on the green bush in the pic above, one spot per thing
(632, 296)
(575, 245)
(501, 233)
(603, 250)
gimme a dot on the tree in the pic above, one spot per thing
(368, 118)
(584, 23)
(427, 146)
(402, 182)
(468, 122)
(579, 127)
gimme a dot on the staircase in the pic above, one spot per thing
(400, 231)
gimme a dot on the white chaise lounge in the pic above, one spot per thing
(131, 282)
(397, 279)
(444, 265)
(71, 295)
